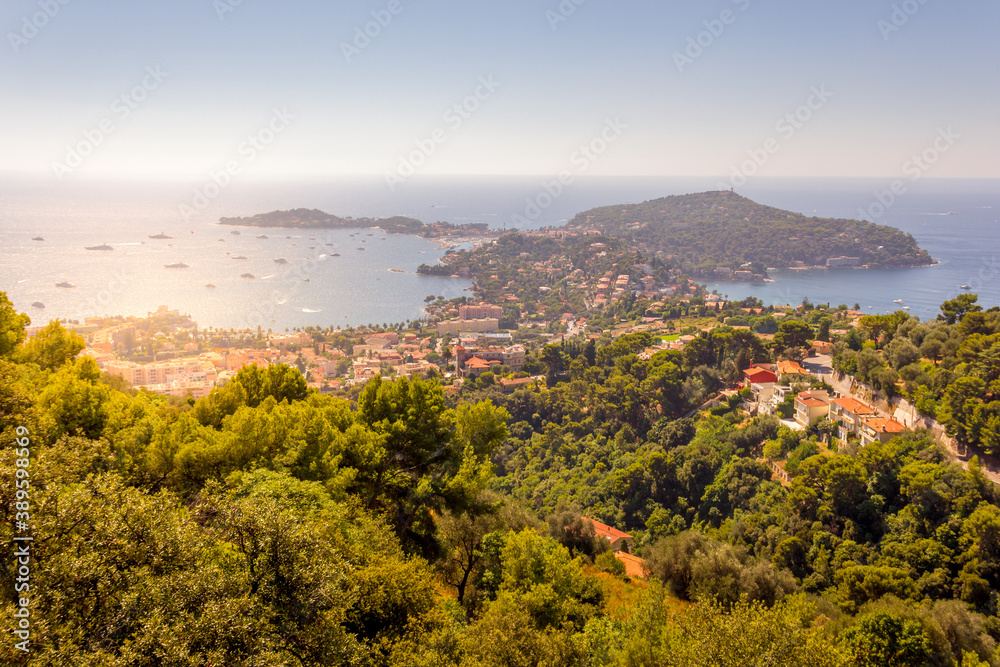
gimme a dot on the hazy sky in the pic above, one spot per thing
(138, 87)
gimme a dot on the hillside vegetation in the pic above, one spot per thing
(396, 525)
(724, 229)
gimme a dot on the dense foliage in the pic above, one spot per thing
(948, 368)
(724, 229)
(269, 525)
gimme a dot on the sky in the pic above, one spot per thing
(313, 88)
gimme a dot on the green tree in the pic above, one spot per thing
(884, 640)
(793, 334)
(12, 325)
(953, 310)
(51, 347)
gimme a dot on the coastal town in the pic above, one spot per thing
(461, 342)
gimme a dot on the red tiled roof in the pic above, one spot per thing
(607, 531)
(791, 368)
(755, 372)
(634, 566)
(811, 402)
(881, 425)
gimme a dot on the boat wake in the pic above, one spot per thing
(309, 310)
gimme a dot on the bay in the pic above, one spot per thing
(955, 220)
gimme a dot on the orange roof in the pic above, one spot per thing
(476, 362)
(811, 402)
(882, 425)
(607, 531)
(855, 406)
(791, 368)
(634, 566)
(754, 372)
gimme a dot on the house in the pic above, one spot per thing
(617, 538)
(810, 405)
(758, 375)
(821, 347)
(848, 413)
(634, 566)
(879, 428)
(772, 398)
(476, 366)
(790, 368)
(762, 392)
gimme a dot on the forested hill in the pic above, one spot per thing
(303, 218)
(726, 230)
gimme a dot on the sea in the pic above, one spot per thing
(340, 278)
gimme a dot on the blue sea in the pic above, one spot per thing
(955, 220)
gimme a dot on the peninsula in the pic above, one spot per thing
(302, 218)
(722, 234)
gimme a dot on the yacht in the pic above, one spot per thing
(210, 286)
(38, 304)
(176, 265)
(38, 238)
(100, 247)
(248, 276)
(161, 235)
(66, 285)
(239, 257)
(281, 260)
